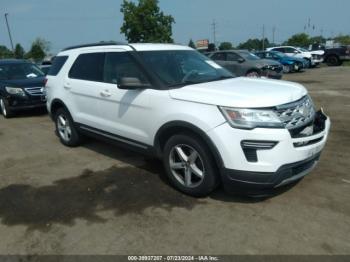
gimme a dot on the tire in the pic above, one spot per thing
(288, 69)
(333, 60)
(190, 165)
(5, 110)
(252, 73)
(65, 128)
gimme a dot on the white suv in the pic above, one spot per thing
(171, 102)
(313, 60)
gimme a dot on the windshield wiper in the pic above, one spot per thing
(186, 83)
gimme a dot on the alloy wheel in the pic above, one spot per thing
(64, 129)
(3, 107)
(186, 165)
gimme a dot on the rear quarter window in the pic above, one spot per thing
(57, 65)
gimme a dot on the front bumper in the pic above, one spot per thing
(17, 103)
(275, 73)
(290, 159)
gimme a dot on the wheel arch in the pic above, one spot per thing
(175, 127)
(55, 105)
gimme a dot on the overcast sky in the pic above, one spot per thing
(69, 22)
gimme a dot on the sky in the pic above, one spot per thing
(70, 22)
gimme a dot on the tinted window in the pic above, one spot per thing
(119, 65)
(219, 56)
(88, 67)
(289, 50)
(232, 57)
(279, 49)
(57, 64)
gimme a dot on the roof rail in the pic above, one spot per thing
(94, 44)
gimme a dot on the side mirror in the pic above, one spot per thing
(240, 60)
(132, 83)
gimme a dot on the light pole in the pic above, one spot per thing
(9, 31)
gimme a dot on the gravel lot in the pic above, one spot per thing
(98, 199)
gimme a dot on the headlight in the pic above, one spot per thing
(250, 118)
(15, 91)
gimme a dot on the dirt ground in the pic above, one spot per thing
(98, 199)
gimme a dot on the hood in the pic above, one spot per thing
(29, 82)
(241, 92)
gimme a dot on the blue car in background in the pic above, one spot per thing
(290, 64)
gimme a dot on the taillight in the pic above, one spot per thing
(45, 82)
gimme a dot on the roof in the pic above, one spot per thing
(13, 61)
(129, 47)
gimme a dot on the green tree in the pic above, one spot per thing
(5, 52)
(36, 52)
(191, 44)
(144, 22)
(254, 44)
(342, 39)
(317, 40)
(225, 46)
(44, 44)
(19, 52)
(301, 39)
(211, 47)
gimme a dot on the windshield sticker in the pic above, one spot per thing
(213, 64)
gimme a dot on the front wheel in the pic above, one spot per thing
(5, 110)
(65, 128)
(333, 61)
(253, 74)
(189, 165)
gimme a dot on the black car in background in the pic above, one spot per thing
(244, 63)
(21, 86)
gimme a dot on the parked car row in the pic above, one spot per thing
(275, 61)
(170, 102)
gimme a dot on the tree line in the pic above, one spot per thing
(37, 52)
(145, 22)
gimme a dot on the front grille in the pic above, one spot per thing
(296, 114)
(34, 91)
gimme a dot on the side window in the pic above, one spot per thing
(88, 67)
(57, 64)
(289, 50)
(119, 65)
(280, 49)
(219, 56)
(232, 57)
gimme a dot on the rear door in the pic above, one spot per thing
(86, 88)
(233, 64)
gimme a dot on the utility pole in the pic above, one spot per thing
(214, 31)
(8, 29)
(273, 34)
(263, 38)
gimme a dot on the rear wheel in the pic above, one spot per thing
(5, 110)
(333, 60)
(65, 128)
(189, 165)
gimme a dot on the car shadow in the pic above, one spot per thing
(30, 113)
(133, 189)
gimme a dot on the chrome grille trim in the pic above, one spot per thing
(34, 91)
(296, 114)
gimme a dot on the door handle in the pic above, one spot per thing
(105, 93)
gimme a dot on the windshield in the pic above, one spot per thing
(303, 49)
(249, 56)
(181, 67)
(19, 71)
